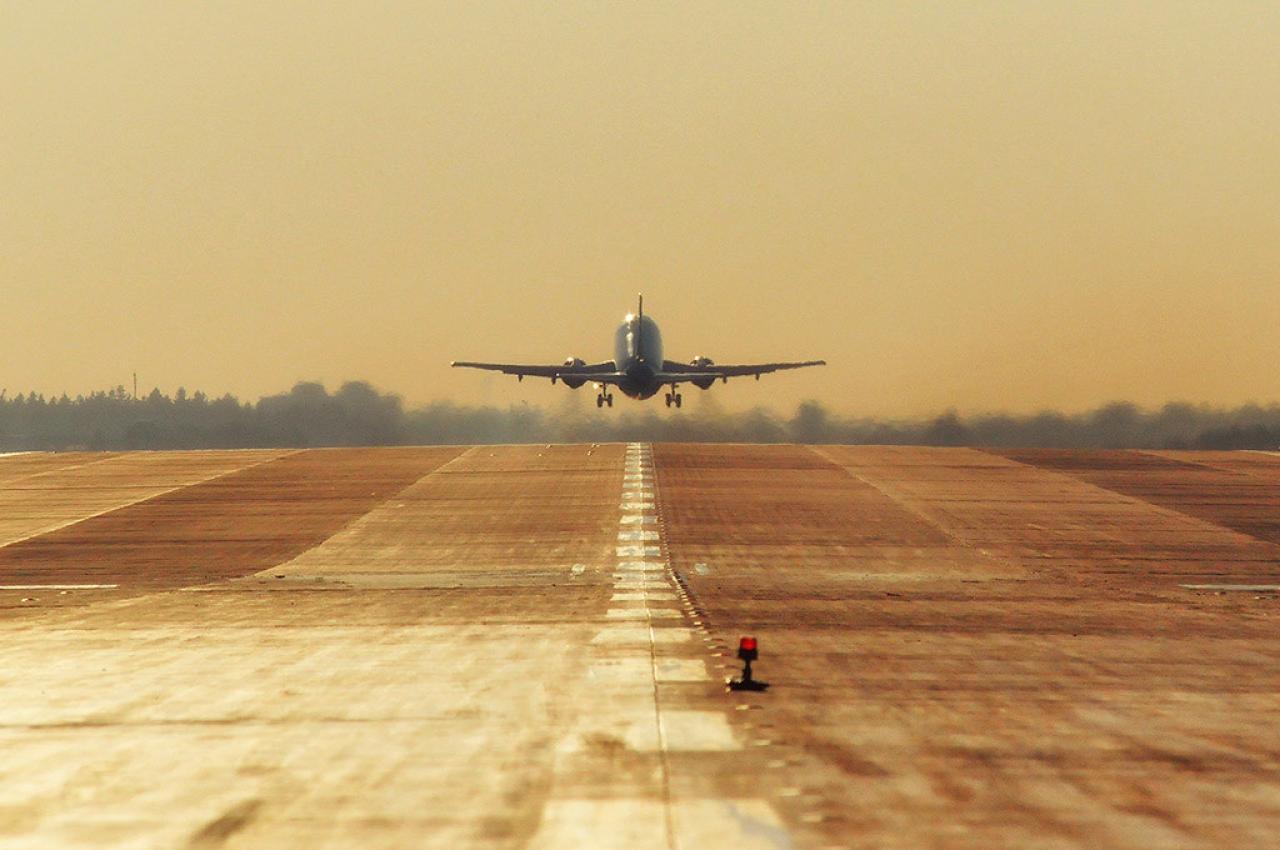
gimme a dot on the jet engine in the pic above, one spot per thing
(573, 383)
(701, 362)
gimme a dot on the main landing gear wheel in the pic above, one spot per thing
(674, 398)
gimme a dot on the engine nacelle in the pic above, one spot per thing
(700, 362)
(573, 383)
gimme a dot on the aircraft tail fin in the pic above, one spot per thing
(640, 327)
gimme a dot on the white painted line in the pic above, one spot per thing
(637, 596)
(740, 824)
(638, 519)
(664, 613)
(643, 566)
(625, 668)
(676, 635)
(680, 670)
(627, 614)
(57, 586)
(633, 535)
(697, 731)
(683, 731)
(611, 635)
(636, 506)
(643, 613)
(1245, 588)
(612, 824)
(642, 735)
(638, 551)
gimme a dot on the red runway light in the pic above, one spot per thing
(748, 651)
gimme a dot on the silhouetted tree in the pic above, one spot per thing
(946, 430)
(359, 414)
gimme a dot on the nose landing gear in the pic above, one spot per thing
(604, 398)
(675, 398)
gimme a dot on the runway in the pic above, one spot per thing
(526, 647)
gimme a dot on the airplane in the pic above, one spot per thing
(637, 367)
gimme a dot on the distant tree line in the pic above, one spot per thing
(357, 414)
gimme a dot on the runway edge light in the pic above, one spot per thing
(748, 651)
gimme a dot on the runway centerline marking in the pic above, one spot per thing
(644, 645)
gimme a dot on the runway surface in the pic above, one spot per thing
(526, 647)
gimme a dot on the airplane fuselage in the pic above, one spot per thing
(638, 367)
(637, 354)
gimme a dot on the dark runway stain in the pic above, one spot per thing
(216, 832)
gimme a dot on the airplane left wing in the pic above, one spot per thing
(601, 372)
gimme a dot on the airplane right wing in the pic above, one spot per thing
(673, 372)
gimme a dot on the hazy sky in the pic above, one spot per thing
(982, 206)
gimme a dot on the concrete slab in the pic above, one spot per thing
(41, 493)
(936, 623)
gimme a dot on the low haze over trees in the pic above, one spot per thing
(357, 414)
